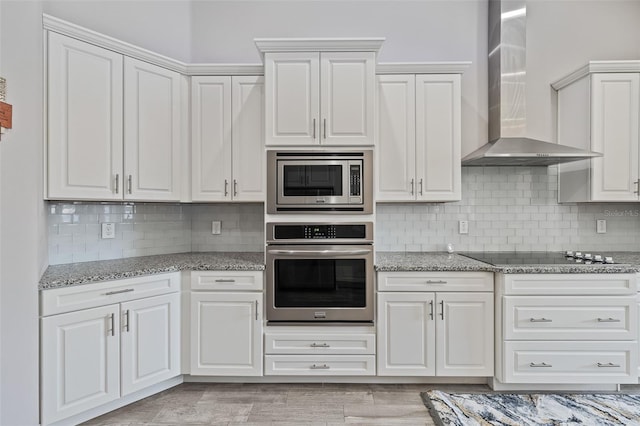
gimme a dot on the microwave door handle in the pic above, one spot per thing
(320, 252)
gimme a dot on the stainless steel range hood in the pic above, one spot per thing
(509, 144)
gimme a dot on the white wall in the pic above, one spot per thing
(21, 204)
(415, 31)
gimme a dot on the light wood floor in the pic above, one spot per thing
(281, 404)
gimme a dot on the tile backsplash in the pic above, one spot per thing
(142, 229)
(508, 209)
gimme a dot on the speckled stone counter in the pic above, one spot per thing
(427, 261)
(57, 276)
(627, 262)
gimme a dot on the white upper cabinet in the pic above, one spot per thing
(227, 122)
(419, 137)
(84, 120)
(600, 111)
(114, 125)
(320, 98)
(151, 132)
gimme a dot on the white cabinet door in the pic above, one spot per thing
(614, 132)
(347, 84)
(406, 334)
(84, 121)
(396, 144)
(438, 140)
(211, 138)
(152, 120)
(150, 341)
(248, 153)
(226, 334)
(80, 361)
(465, 334)
(292, 98)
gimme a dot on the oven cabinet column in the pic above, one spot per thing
(430, 323)
(226, 323)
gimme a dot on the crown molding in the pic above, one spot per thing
(225, 69)
(597, 66)
(423, 67)
(370, 44)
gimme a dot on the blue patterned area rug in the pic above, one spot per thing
(469, 409)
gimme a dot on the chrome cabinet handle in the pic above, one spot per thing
(442, 309)
(257, 310)
(542, 364)
(320, 345)
(117, 183)
(324, 127)
(608, 320)
(540, 320)
(431, 309)
(608, 364)
(412, 185)
(112, 320)
(226, 187)
(420, 186)
(314, 128)
(320, 367)
(436, 282)
(126, 324)
(129, 183)
(225, 281)
(127, 290)
(637, 184)
(235, 187)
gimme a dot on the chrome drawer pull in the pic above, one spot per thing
(609, 364)
(540, 320)
(321, 345)
(320, 367)
(109, 293)
(542, 364)
(225, 281)
(436, 282)
(608, 320)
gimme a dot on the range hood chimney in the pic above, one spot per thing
(509, 145)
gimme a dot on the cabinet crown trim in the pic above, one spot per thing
(594, 67)
(458, 67)
(370, 44)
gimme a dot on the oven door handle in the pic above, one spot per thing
(320, 252)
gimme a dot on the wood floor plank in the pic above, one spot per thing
(296, 413)
(321, 398)
(387, 414)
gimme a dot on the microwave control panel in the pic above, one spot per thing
(355, 173)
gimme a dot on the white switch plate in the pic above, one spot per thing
(215, 227)
(601, 226)
(463, 226)
(108, 230)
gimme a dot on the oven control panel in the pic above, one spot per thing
(319, 231)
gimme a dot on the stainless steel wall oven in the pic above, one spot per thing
(320, 272)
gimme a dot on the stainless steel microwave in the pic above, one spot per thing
(336, 181)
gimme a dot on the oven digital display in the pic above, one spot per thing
(318, 232)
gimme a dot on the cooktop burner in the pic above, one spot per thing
(538, 258)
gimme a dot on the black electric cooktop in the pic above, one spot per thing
(536, 258)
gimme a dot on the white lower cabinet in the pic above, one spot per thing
(226, 327)
(431, 333)
(320, 351)
(96, 355)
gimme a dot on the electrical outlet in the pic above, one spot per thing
(108, 230)
(215, 227)
(463, 227)
(601, 226)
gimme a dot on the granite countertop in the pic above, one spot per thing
(628, 262)
(71, 274)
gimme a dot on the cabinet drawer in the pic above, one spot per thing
(569, 284)
(435, 281)
(73, 298)
(320, 365)
(570, 318)
(227, 280)
(570, 362)
(322, 343)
